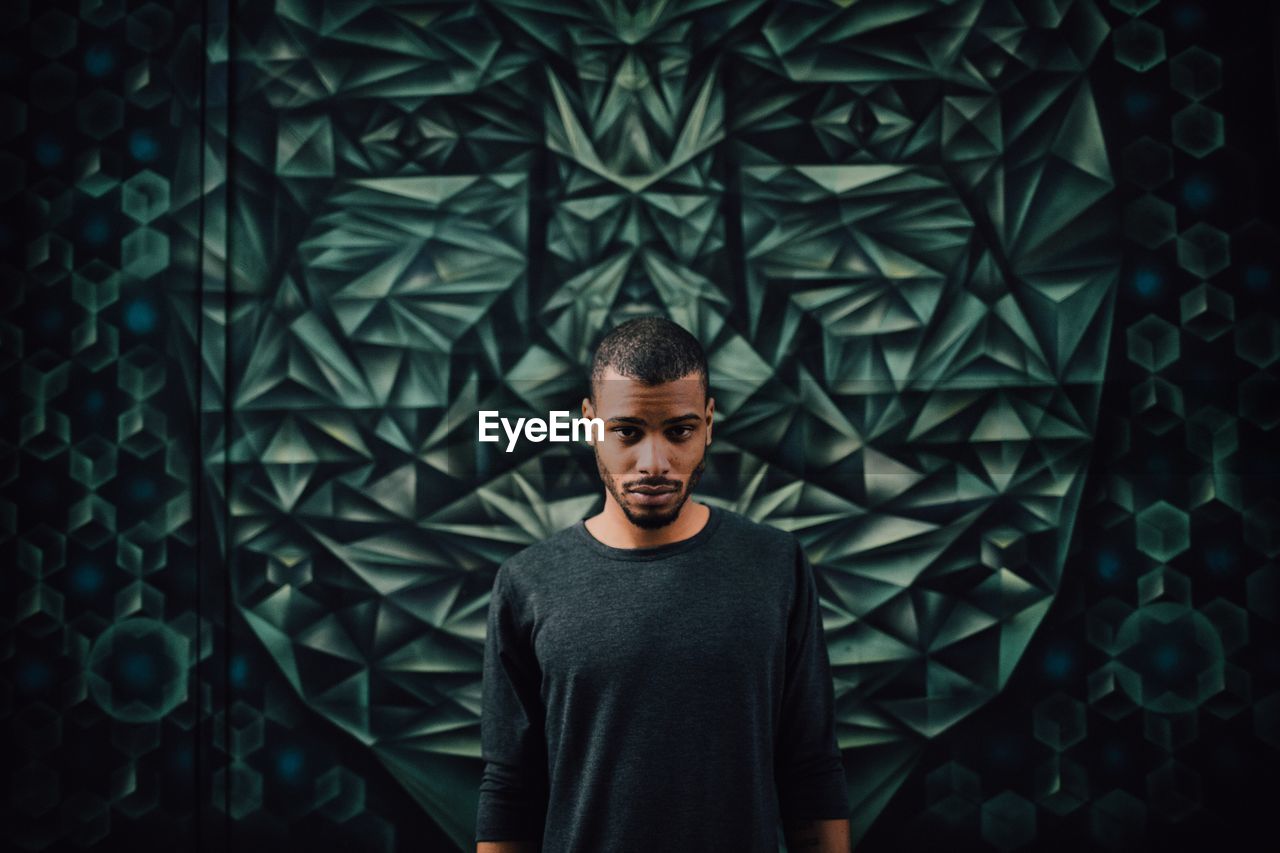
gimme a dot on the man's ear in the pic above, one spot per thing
(711, 416)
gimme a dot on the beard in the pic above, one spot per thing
(645, 519)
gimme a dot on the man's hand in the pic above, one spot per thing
(818, 836)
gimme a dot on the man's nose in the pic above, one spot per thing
(653, 460)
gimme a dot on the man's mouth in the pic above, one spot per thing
(652, 495)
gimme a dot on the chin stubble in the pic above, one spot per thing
(651, 522)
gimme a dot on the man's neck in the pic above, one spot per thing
(613, 528)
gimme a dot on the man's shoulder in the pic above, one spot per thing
(748, 532)
(537, 556)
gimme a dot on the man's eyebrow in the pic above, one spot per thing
(642, 422)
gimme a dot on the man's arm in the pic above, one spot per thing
(513, 792)
(817, 836)
(812, 791)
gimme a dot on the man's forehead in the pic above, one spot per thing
(614, 388)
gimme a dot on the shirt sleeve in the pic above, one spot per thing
(512, 805)
(808, 768)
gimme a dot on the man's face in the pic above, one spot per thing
(655, 444)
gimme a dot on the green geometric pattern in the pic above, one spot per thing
(888, 222)
(415, 212)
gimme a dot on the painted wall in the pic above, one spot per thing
(987, 290)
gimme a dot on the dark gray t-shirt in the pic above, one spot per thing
(674, 698)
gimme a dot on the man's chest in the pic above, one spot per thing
(661, 628)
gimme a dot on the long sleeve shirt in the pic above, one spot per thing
(673, 698)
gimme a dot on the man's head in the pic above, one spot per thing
(650, 385)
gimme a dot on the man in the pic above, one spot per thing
(655, 677)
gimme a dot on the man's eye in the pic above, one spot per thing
(628, 430)
(682, 432)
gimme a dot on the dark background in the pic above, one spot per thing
(97, 92)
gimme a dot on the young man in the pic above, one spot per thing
(655, 676)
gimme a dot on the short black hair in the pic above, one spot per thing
(652, 350)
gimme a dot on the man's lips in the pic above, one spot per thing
(651, 495)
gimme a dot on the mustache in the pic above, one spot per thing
(654, 483)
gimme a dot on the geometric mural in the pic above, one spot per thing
(906, 306)
(985, 290)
